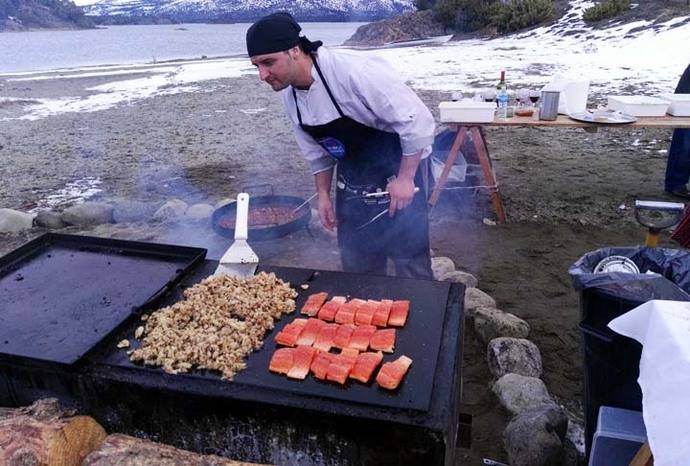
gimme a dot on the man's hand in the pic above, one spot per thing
(326, 212)
(401, 192)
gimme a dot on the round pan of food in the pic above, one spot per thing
(270, 217)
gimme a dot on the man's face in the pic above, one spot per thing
(277, 69)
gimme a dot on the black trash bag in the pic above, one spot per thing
(671, 264)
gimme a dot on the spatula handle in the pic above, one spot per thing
(242, 216)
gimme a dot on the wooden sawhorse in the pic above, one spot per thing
(479, 142)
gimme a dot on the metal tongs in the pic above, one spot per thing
(383, 212)
(376, 195)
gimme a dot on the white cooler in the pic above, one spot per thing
(467, 111)
(679, 104)
(638, 105)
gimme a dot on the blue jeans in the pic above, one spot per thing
(678, 165)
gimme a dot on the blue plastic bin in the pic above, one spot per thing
(620, 434)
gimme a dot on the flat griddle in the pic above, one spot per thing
(60, 295)
(420, 339)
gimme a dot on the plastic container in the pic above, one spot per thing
(620, 434)
(467, 111)
(638, 105)
(679, 104)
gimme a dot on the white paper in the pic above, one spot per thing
(573, 93)
(663, 328)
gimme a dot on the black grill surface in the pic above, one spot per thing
(62, 294)
(420, 340)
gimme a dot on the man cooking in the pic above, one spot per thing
(354, 112)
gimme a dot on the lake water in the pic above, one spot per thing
(47, 50)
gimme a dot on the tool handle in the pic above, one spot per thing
(386, 193)
(242, 219)
(660, 205)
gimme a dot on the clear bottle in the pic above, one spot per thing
(502, 97)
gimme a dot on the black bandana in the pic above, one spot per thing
(272, 33)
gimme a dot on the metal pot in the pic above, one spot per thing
(264, 232)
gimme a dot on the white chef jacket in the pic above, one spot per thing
(368, 90)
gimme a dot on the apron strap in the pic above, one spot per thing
(328, 89)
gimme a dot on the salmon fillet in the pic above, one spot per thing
(380, 318)
(391, 373)
(365, 365)
(398, 314)
(341, 365)
(361, 336)
(346, 313)
(310, 332)
(313, 304)
(329, 310)
(282, 360)
(383, 340)
(320, 363)
(365, 312)
(290, 333)
(325, 339)
(343, 333)
(302, 357)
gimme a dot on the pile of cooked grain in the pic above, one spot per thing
(220, 321)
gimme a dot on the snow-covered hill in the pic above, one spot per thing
(234, 10)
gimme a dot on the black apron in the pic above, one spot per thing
(366, 159)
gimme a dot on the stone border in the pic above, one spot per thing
(536, 433)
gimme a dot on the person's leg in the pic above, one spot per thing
(361, 262)
(678, 165)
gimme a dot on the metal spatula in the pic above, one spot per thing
(239, 260)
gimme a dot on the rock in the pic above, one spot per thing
(49, 219)
(199, 212)
(475, 298)
(132, 211)
(408, 26)
(535, 437)
(492, 323)
(174, 209)
(88, 214)
(571, 456)
(441, 266)
(13, 221)
(458, 276)
(516, 355)
(518, 393)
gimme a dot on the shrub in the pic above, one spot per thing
(605, 10)
(520, 14)
(464, 15)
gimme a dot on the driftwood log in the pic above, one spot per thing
(123, 450)
(44, 434)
